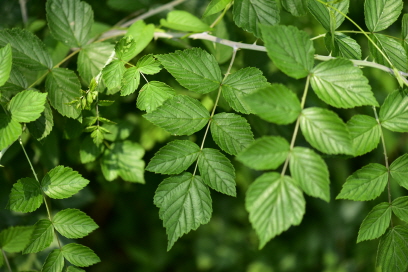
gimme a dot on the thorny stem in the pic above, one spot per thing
(296, 130)
(36, 178)
(6, 260)
(234, 53)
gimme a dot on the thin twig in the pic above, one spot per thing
(6, 260)
(23, 8)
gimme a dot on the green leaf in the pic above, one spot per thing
(251, 15)
(148, 65)
(74, 269)
(125, 47)
(5, 63)
(231, 132)
(295, 7)
(15, 83)
(217, 171)
(180, 115)
(311, 172)
(185, 204)
(392, 49)
(54, 262)
(130, 81)
(215, 6)
(365, 184)
(112, 76)
(119, 131)
(340, 84)
(274, 204)
(10, 130)
(15, 239)
(153, 94)
(73, 223)
(265, 153)
(404, 32)
(399, 170)
(329, 18)
(41, 238)
(184, 21)
(63, 87)
(394, 111)
(174, 158)
(275, 103)
(62, 182)
(325, 131)
(400, 207)
(92, 58)
(124, 159)
(393, 250)
(27, 49)
(70, 21)
(376, 222)
(142, 35)
(27, 106)
(42, 127)
(342, 45)
(89, 151)
(365, 133)
(295, 61)
(97, 135)
(380, 14)
(79, 255)
(243, 82)
(194, 69)
(25, 195)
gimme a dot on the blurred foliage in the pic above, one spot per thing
(131, 236)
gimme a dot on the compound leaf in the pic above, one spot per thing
(400, 207)
(184, 21)
(274, 204)
(399, 170)
(185, 204)
(79, 255)
(42, 126)
(217, 171)
(54, 262)
(393, 250)
(124, 159)
(73, 223)
(311, 172)
(174, 158)
(265, 153)
(70, 21)
(41, 238)
(328, 17)
(290, 49)
(380, 14)
(27, 106)
(376, 222)
(365, 133)
(394, 111)
(243, 82)
(25, 195)
(341, 45)
(27, 49)
(251, 14)
(5, 63)
(393, 49)
(275, 103)
(63, 87)
(231, 132)
(325, 131)
(180, 115)
(366, 183)
(153, 94)
(10, 130)
(15, 239)
(194, 69)
(62, 182)
(340, 84)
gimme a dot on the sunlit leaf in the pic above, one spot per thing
(184, 21)
(41, 238)
(73, 223)
(92, 58)
(400, 207)
(142, 35)
(365, 133)
(153, 94)
(376, 222)
(380, 14)
(215, 6)
(42, 126)
(328, 17)
(54, 262)
(5, 63)
(10, 130)
(295, 7)
(392, 48)
(393, 250)
(112, 76)
(341, 45)
(79, 255)
(399, 170)
(27, 106)
(394, 111)
(15, 239)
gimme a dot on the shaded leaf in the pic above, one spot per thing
(376, 222)
(295, 7)
(42, 126)
(392, 49)
(15, 239)
(399, 170)
(341, 45)
(328, 17)
(393, 250)
(41, 238)
(92, 58)
(25, 195)
(400, 207)
(89, 151)
(215, 6)
(184, 21)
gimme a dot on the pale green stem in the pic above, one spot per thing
(318, 37)
(35, 175)
(6, 260)
(216, 103)
(297, 125)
